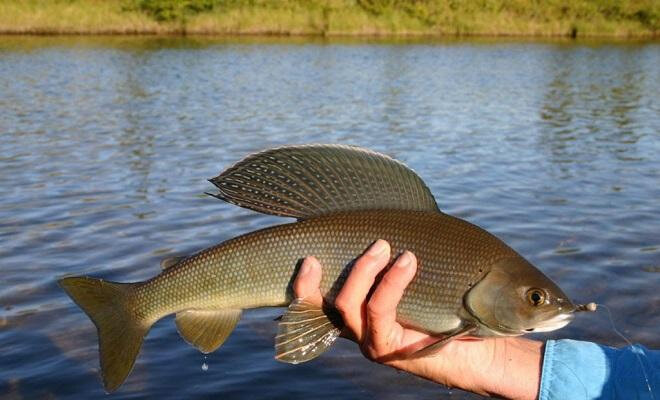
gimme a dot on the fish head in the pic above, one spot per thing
(514, 298)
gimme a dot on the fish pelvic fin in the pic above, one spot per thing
(312, 180)
(305, 332)
(207, 329)
(433, 348)
(119, 327)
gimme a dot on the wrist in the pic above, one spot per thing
(515, 369)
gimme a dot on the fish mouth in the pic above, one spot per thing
(553, 323)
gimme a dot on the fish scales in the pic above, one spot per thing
(256, 269)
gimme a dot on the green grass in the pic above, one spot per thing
(61, 16)
(578, 18)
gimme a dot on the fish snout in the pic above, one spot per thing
(564, 305)
(554, 323)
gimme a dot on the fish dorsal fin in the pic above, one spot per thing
(207, 329)
(313, 180)
(305, 331)
(171, 261)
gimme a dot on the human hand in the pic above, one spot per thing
(508, 367)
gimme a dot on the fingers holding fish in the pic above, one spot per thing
(351, 300)
(382, 304)
(384, 332)
(383, 335)
(382, 338)
(308, 280)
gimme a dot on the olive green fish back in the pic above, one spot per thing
(312, 180)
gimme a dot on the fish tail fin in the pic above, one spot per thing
(120, 329)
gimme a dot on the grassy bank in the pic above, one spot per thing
(577, 18)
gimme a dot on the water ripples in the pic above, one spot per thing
(107, 142)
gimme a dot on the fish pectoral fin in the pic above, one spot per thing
(313, 180)
(207, 329)
(435, 347)
(305, 331)
(171, 261)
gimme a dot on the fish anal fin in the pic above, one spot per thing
(313, 180)
(171, 261)
(435, 347)
(207, 329)
(305, 332)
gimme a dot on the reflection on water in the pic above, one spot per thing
(584, 104)
(107, 142)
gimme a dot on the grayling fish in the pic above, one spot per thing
(468, 281)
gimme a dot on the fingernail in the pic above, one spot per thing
(404, 260)
(305, 268)
(378, 248)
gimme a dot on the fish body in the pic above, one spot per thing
(256, 270)
(467, 282)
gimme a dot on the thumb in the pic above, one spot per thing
(308, 280)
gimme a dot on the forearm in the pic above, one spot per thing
(517, 368)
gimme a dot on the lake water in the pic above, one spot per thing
(106, 145)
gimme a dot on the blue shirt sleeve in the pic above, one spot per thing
(585, 370)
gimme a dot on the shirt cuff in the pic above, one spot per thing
(585, 370)
(574, 370)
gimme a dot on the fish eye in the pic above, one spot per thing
(536, 297)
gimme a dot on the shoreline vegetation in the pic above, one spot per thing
(533, 18)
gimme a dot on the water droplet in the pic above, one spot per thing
(205, 367)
